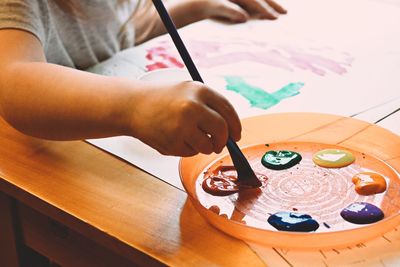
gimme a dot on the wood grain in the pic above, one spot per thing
(131, 213)
(9, 241)
(113, 203)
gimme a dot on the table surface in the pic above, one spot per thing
(135, 214)
(112, 202)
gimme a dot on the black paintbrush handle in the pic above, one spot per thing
(239, 160)
(169, 24)
(180, 46)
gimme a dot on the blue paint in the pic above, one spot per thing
(257, 96)
(362, 213)
(293, 222)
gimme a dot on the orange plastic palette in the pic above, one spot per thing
(305, 188)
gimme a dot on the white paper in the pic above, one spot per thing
(363, 46)
(355, 72)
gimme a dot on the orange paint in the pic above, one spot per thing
(369, 183)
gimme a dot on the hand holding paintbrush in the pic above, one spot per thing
(246, 176)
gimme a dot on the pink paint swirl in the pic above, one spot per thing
(209, 54)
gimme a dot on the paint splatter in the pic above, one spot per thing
(160, 58)
(258, 97)
(327, 225)
(208, 54)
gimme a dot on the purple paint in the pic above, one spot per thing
(362, 213)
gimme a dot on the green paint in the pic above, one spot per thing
(281, 159)
(257, 96)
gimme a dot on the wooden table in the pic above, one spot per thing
(80, 206)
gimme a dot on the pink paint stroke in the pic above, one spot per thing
(208, 54)
(160, 58)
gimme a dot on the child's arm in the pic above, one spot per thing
(183, 12)
(59, 103)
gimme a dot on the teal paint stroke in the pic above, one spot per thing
(258, 97)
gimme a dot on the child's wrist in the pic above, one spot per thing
(122, 107)
(132, 108)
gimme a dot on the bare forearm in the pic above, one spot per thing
(54, 102)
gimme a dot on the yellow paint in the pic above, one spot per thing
(333, 158)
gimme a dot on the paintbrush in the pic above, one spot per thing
(246, 175)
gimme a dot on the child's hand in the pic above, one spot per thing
(183, 12)
(241, 10)
(184, 119)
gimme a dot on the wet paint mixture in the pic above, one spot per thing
(223, 181)
(333, 158)
(280, 160)
(258, 97)
(362, 213)
(293, 222)
(369, 183)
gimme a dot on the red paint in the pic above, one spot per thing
(223, 181)
(218, 186)
(161, 59)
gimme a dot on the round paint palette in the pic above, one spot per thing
(304, 188)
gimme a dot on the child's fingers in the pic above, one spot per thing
(278, 8)
(259, 8)
(262, 9)
(200, 142)
(222, 106)
(216, 126)
(183, 150)
(230, 11)
(179, 148)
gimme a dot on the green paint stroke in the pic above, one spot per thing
(257, 96)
